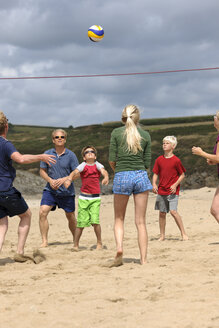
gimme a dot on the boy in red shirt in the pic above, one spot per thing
(89, 199)
(170, 171)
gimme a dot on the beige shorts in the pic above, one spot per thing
(166, 203)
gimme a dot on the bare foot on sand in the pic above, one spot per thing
(162, 238)
(99, 246)
(117, 261)
(185, 237)
(142, 262)
(44, 244)
(75, 249)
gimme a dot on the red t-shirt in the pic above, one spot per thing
(90, 176)
(168, 170)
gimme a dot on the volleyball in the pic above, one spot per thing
(95, 33)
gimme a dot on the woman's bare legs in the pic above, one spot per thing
(120, 204)
(141, 201)
(215, 205)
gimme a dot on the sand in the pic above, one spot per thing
(177, 288)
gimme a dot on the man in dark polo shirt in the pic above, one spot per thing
(11, 201)
(55, 193)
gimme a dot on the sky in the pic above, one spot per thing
(49, 38)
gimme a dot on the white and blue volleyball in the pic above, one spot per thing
(95, 33)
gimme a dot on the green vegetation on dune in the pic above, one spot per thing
(198, 131)
(177, 120)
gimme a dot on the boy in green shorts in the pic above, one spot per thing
(89, 199)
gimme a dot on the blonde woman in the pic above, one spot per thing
(129, 157)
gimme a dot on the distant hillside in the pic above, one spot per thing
(198, 130)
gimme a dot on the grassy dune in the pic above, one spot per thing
(198, 130)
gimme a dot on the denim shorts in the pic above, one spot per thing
(166, 203)
(12, 203)
(131, 182)
(67, 203)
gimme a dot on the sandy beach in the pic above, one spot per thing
(177, 288)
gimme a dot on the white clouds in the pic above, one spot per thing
(8, 72)
(34, 68)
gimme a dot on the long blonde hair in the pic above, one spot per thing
(130, 117)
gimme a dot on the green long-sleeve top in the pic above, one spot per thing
(125, 160)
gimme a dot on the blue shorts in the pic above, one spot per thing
(67, 203)
(128, 182)
(12, 203)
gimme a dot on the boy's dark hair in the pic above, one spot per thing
(85, 148)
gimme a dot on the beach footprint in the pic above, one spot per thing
(36, 258)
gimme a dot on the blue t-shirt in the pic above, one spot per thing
(65, 164)
(7, 172)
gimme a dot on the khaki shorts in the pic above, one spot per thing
(166, 203)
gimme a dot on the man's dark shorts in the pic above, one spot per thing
(67, 203)
(12, 203)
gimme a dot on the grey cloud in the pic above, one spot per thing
(46, 38)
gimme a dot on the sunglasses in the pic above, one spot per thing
(89, 151)
(58, 137)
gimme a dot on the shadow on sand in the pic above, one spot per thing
(58, 243)
(5, 261)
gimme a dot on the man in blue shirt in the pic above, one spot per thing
(11, 201)
(55, 193)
